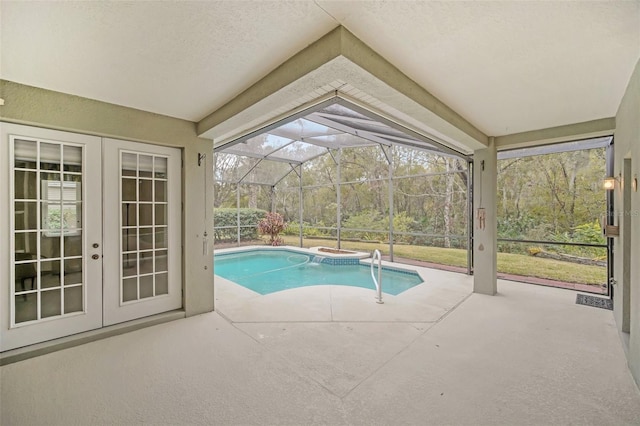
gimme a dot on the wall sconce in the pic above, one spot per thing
(609, 183)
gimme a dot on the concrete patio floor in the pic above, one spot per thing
(435, 354)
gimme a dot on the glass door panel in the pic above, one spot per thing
(47, 246)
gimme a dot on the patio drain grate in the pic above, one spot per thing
(597, 302)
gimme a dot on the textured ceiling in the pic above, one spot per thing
(506, 67)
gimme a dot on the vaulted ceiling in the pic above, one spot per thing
(501, 67)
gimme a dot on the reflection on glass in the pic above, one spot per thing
(72, 271)
(160, 167)
(145, 166)
(129, 164)
(50, 301)
(129, 265)
(161, 214)
(73, 245)
(50, 274)
(129, 214)
(129, 239)
(161, 191)
(129, 289)
(50, 156)
(25, 185)
(146, 214)
(72, 216)
(49, 246)
(161, 260)
(145, 239)
(73, 299)
(25, 245)
(145, 190)
(26, 215)
(24, 153)
(26, 307)
(162, 284)
(25, 274)
(72, 158)
(129, 190)
(146, 262)
(146, 286)
(161, 237)
(51, 216)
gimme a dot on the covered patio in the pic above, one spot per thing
(527, 356)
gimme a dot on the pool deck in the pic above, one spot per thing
(435, 354)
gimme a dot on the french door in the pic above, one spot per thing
(93, 229)
(142, 193)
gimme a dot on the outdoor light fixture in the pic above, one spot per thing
(609, 183)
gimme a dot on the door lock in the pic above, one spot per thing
(96, 245)
(95, 257)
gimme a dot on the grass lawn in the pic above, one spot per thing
(508, 263)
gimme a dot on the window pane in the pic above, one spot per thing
(129, 190)
(144, 190)
(72, 271)
(160, 167)
(72, 158)
(146, 262)
(161, 260)
(73, 245)
(129, 214)
(50, 156)
(145, 239)
(146, 286)
(129, 289)
(161, 237)
(24, 153)
(161, 190)
(50, 301)
(25, 276)
(26, 245)
(73, 299)
(145, 166)
(26, 307)
(51, 216)
(129, 164)
(162, 284)
(72, 216)
(26, 215)
(49, 246)
(161, 214)
(25, 185)
(50, 274)
(129, 265)
(129, 239)
(146, 214)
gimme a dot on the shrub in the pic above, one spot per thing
(272, 224)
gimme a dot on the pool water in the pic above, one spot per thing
(268, 271)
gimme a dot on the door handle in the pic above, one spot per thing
(95, 257)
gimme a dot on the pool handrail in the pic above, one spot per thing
(378, 282)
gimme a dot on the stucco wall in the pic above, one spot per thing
(54, 110)
(627, 145)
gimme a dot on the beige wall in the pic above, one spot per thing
(54, 110)
(627, 146)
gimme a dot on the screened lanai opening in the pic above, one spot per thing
(345, 178)
(551, 209)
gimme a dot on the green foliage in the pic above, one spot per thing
(249, 219)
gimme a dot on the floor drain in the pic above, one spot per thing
(597, 302)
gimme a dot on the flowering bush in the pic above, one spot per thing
(272, 224)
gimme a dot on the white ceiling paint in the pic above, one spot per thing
(506, 67)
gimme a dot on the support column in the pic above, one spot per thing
(485, 222)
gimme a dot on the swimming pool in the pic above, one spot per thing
(268, 271)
